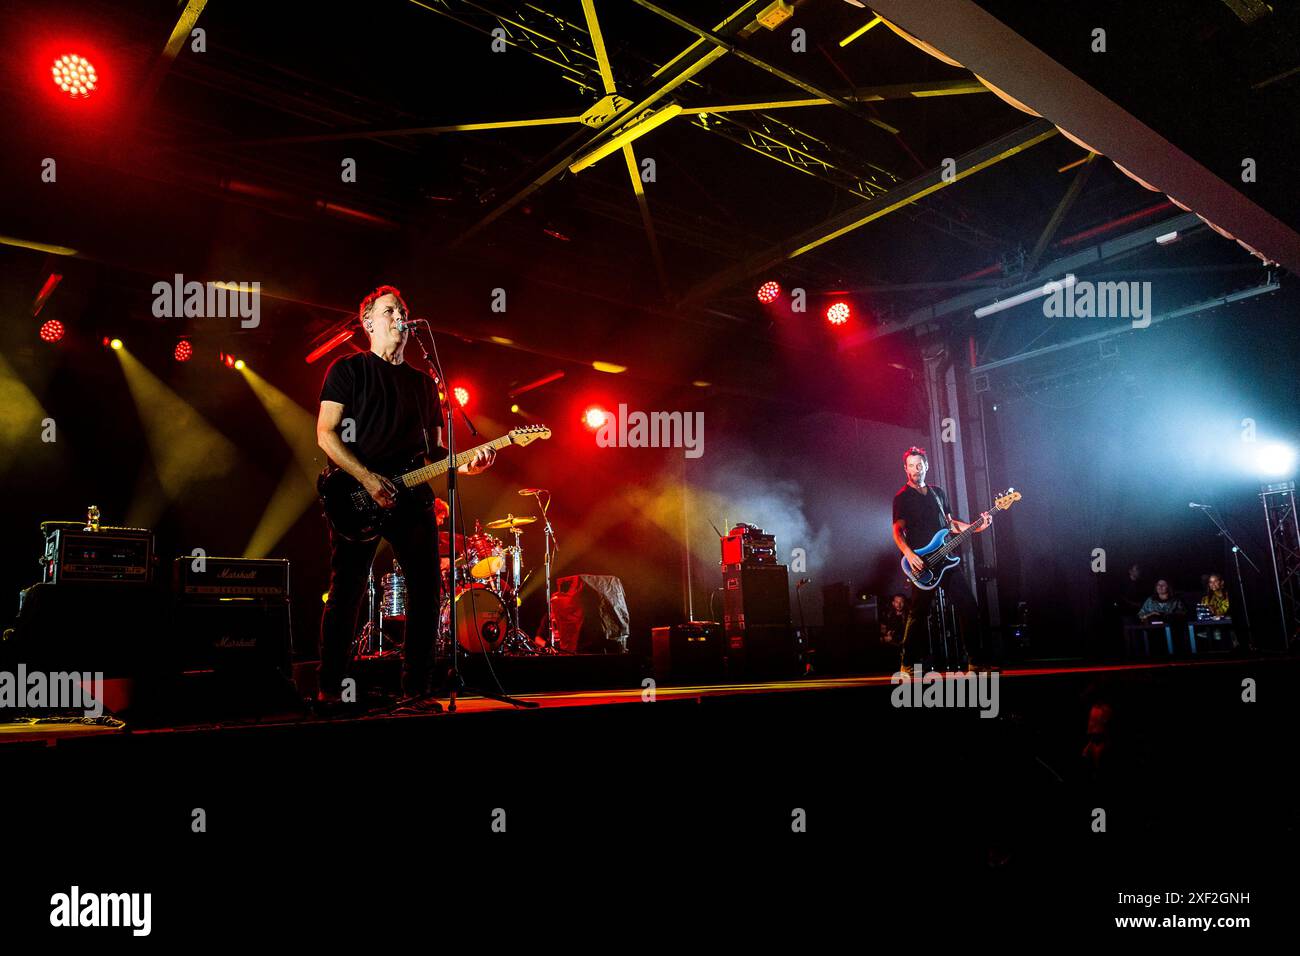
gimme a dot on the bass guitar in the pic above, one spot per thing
(938, 554)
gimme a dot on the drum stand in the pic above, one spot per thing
(516, 642)
(371, 639)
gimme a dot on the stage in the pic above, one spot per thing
(653, 379)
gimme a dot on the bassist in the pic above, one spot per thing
(921, 511)
(375, 413)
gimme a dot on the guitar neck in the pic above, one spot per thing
(955, 541)
(419, 476)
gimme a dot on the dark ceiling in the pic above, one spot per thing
(227, 164)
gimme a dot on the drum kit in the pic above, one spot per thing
(486, 583)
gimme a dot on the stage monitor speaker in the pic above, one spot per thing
(591, 615)
(692, 651)
(76, 625)
(116, 629)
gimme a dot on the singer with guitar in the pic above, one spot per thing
(376, 414)
(920, 512)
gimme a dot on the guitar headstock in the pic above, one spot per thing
(527, 434)
(1005, 500)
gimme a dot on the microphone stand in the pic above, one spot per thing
(551, 543)
(455, 682)
(1236, 554)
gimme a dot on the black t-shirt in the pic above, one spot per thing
(390, 405)
(924, 514)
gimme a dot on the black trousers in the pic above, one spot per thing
(922, 647)
(412, 532)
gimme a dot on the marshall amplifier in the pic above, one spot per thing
(217, 579)
(232, 624)
(118, 555)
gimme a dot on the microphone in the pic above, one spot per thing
(1194, 504)
(403, 324)
(532, 491)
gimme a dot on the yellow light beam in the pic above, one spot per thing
(21, 415)
(185, 448)
(297, 488)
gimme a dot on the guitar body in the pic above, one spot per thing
(355, 516)
(938, 554)
(935, 568)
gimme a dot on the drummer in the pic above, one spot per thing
(441, 511)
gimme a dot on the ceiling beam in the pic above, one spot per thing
(629, 154)
(1059, 213)
(667, 78)
(897, 198)
(1269, 285)
(991, 49)
(180, 33)
(1084, 258)
(724, 43)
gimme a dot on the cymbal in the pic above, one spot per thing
(511, 522)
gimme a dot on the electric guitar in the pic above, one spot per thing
(938, 554)
(355, 516)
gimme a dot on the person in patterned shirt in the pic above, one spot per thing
(1216, 598)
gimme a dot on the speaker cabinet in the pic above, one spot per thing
(760, 641)
(688, 652)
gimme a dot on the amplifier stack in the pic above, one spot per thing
(759, 640)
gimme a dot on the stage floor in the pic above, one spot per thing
(777, 693)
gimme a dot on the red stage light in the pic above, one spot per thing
(183, 351)
(462, 395)
(768, 292)
(74, 75)
(838, 313)
(51, 330)
(227, 360)
(594, 417)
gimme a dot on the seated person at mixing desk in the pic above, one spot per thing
(1217, 604)
(1216, 597)
(1163, 607)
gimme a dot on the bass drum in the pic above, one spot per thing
(481, 622)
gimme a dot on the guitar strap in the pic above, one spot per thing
(943, 511)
